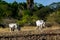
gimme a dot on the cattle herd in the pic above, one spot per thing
(39, 24)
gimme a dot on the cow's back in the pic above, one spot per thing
(12, 24)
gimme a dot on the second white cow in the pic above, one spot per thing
(40, 24)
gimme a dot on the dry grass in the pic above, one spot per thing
(4, 30)
(25, 30)
(52, 28)
(29, 28)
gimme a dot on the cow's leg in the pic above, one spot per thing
(18, 29)
(40, 27)
(13, 29)
(43, 25)
(10, 29)
(37, 27)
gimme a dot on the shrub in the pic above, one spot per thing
(54, 17)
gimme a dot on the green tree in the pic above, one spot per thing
(43, 12)
(5, 12)
(23, 6)
(14, 9)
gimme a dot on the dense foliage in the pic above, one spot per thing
(24, 16)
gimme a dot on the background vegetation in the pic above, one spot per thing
(19, 13)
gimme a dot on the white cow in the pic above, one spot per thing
(13, 26)
(40, 24)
